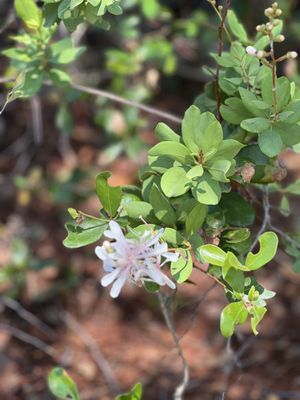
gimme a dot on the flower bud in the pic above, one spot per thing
(291, 55)
(259, 28)
(275, 4)
(269, 26)
(269, 12)
(278, 12)
(260, 54)
(220, 8)
(251, 50)
(279, 38)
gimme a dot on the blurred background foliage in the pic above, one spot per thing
(53, 145)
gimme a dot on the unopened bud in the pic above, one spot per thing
(269, 12)
(260, 54)
(291, 55)
(251, 50)
(279, 38)
(259, 28)
(269, 26)
(220, 8)
(275, 4)
(278, 12)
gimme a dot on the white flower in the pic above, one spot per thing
(137, 260)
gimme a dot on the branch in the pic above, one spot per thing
(220, 51)
(95, 352)
(266, 220)
(178, 395)
(122, 100)
(118, 99)
(32, 340)
(196, 309)
(27, 316)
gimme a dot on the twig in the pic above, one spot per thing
(37, 119)
(28, 316)
(179, 392)
(32, 340)
(220, 51)
(266, 220)
(95, 352)
(116, 98)
(195, 310)
(284, 235)
(122, 100)
(9, 20)
(6, 80)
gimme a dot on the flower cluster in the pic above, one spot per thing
(137, 260)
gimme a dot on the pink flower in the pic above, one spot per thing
(137, 260)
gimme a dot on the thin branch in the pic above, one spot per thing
(27, 316)
(285, 236)
(118, 99)
(29, 339)
(196, 309)
(3, 81)
(220, 51)
(37, 119)
(266, 220)
(95, 352)
(122, 100)
(179, 392)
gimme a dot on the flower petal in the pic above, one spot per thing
(101, 253)
(117, 286)
(109, 278)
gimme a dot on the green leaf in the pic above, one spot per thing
(228, 150)
(233, 314)
(284, 208)
(201, 132)
(110, 197)
(236, 280)
(137, 209)
(237, 211)
(290, 133)
(29, 12)
(173, 237)
(82, 233)
(181, 270)
(64, 52)
(150, 8)
(293, 188)
(17, 54)
(268, 248)
(62, 385)
(256, 125)
(174, 182)
(206, 190)
(213, 255)
(234, 112)
(195, 219)
(270, 143)
(173, 150)
(161, 206)
(219, 169)
(195, 172)
(164, 133)
(258, 314)
(236, 27)
(135, 393)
